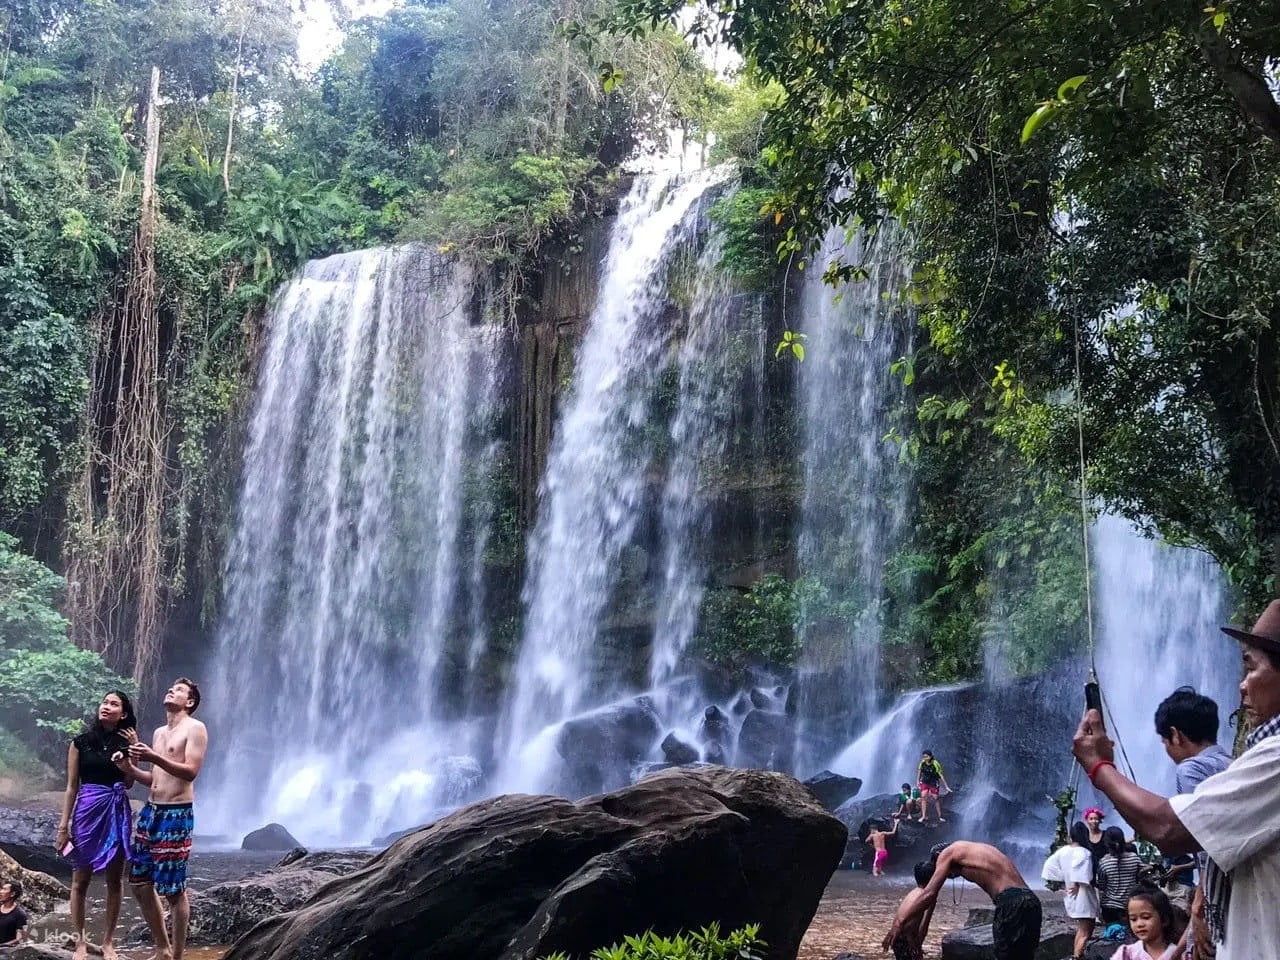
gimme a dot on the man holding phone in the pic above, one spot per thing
(1232, 816)
(162, 839)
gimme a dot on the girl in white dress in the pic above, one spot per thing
(1072, 866)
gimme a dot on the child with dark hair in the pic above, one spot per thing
(907, 939)
(931, 781)
(1072, 866)
(1152, 921)
(908, 801)
(1117, 876)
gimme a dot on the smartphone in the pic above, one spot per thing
(1093, 696)
(67, 848)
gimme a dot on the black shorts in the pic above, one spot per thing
(1016, 927)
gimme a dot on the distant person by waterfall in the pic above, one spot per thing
(1072, 867)
(1093, 818)
(162, 840)
(932, 782)
(1232, 816)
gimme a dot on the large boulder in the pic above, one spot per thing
(40, 892)
(272, 837)
(1057, 937)
(41, 859)
(600, 748)
(226, 911)
(675, 751)
(831, 789)
(765, 741)
(33, 826)
(520, 877)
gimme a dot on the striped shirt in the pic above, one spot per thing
(1116, 878)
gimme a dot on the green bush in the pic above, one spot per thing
(705, 944)
(48, 686)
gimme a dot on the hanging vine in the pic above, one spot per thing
(116, 582)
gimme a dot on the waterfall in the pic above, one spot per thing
(1158, 613)
(608, 456)
(353, 579)
(854, 491)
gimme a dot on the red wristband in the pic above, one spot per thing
(1093, 771)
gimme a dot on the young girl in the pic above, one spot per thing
(1072, 866)
(1152, 922)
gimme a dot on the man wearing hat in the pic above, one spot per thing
(1233, 816)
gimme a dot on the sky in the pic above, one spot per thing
(318, 33)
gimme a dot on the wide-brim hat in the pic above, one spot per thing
(1265, 634)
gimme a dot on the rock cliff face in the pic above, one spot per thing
(521, 877)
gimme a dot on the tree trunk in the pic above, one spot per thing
(231, 110)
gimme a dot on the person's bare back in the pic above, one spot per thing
(980, 864)
(878, 839)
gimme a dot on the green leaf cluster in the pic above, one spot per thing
(705, 944)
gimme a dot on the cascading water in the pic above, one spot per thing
(607, 460)
(1159, 610)
(854, 492)
(354, 572)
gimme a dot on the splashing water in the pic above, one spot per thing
(348, 567)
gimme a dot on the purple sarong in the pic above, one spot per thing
(101, 827)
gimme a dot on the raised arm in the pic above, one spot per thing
(68, 797)
(124, 764)
(1150, 814)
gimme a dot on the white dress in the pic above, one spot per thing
(1074, 865)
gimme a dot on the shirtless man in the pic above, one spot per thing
(907, 940)
(162, 838)
(1016, 927)
(879, 840)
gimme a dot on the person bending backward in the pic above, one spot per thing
(1016, 927)
(1233, 816)
(906, 940)
(162, 841)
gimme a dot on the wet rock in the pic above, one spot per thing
(42, 951)
(1057, 935)
(760, 700)
(41, 859)
(271, 837)
(600, 748)
(765, 741)
(29, 826)
(716, 753)
(293, 856)
(226, 911)
(740, 706)
(831, 789)
(40, 892)
(715, 728)
(677, 752)
(678, 850)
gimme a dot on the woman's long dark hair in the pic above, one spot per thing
(128, 719)
(1113, 842)
(1080, 833)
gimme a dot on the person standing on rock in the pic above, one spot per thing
(932, 782)
(162, 842)
(97, 821)
(13, 920)
(1015, 929)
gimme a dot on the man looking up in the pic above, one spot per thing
(1234, 816)
(162, 839)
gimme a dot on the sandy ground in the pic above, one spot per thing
(853, 916)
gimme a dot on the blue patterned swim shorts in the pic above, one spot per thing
(161, 845)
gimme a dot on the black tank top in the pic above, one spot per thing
(96, 747)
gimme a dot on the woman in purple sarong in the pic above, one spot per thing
(97, 822)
